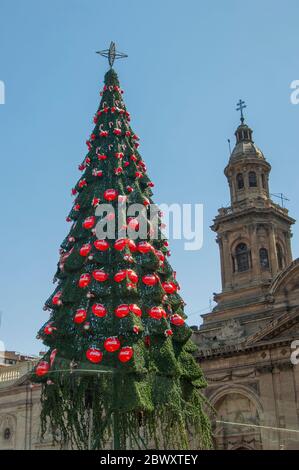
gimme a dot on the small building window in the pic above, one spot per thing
(252, 179)
(242, 257)
(280, 256)
(240, 181)
(264, 258)
(263, 181)
(7, 434)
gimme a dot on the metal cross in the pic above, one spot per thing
(240, 106)
(112, 54)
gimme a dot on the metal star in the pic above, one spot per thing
(112, 54)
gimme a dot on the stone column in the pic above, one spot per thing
(272, 250)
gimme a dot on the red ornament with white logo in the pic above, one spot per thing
(177, 320)
(135, 309)
(169, 287)
(80, 316)
(125, 354)
(111, 344)
(101, 245)
(144, 247)
(157, 313)
(150, 279)
(122, 311)
(89, 222)
(85, 249)
(42, 368)
(120, 244)
(94, 355)
(100, 275)
(110, 194)
(84, 280)
(99, 310)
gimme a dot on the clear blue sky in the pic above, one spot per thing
(189, 62)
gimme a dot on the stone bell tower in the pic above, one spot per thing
(254, 233)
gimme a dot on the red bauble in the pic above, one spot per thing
(138, 174)
(89, 222)
(110, 194)
(157, 313)
(56, 298)
(150, 279)
(80, 315)
(111, 344)
(100, 275)
(169, 287)
(160, 255)
(117, 131)
(122, 311)
(144, 247)
(103, 133)
(85, 249)
(120, 244)
(135, 309)
(82, 183)
(99, 310)
(101, 245)
(177, 320)
(49, 328)
(42, 368)
(102, 157)
(120, 276)
(125, 354)
(132, 275)
(133, 158)
(130, 189)
(94, 355)
(84, 280)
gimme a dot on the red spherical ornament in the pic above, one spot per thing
(120, 276)
(117, 131)
(82, 183)
(110, 194)
(144, 247)
(89, 222)
(56, 298)
(42, 368)
(111, 344)
(49, 328)
(101, 245)
(138, 174)
(168, 332)
(169, 287)
(150, 279)
(122, 311)
(120, 244)
(157, 313)
(76, 207)
(130, 189)
(103, 133)
(135, 309)
(85, 249)
(84, 280)
(100, 275)
(125, 354)
(132, 275)
(80, 316)
(99, 310)
(102, 157)
(94, 355)
(160, 255)
(177, 320)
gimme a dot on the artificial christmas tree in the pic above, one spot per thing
(120, 356)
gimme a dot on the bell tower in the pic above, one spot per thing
(254, 233)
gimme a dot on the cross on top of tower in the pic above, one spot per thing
(240, 106)
(112, 54)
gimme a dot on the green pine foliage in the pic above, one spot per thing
(155, 396)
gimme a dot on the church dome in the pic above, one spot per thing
(245, 147)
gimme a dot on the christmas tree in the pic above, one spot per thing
(120, 359)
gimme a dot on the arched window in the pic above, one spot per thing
(264, 258)
(240, 181)
(252, 179)
(280, 256)
(263, 181)
(242, 257)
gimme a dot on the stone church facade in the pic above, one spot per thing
(246, 344)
